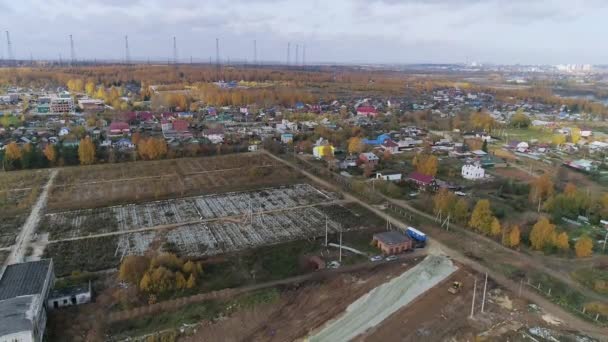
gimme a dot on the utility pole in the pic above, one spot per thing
(127, 53)
(340, 244)
(473, 301)
(288, 51)
(72, 52)
(483, 299)
(325, 230)
(174, 50)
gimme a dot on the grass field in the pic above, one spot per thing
(106, 185)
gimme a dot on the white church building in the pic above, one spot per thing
(473, 171)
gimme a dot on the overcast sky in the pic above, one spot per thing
(345, 31)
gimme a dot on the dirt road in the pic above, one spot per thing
(376, 305)
(29, 227)
(556, 310)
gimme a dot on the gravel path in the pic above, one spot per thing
(381, 302)
(29, 227)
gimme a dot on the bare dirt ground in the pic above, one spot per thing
(299, 310)
(513, 173)
(436, 315)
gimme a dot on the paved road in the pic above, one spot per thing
(556, 310)
(29, 227)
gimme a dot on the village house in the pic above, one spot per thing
(392, 242)
(367, 111)
(369, 159)
(423, 182)
(69, 296)
(215, 135)
(390, 146)
(118, 128)
(389, 176)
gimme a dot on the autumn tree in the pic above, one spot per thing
(584, 247)
(152, 148)
(461, 210)
(561, 241)
(495, 227)
(89, 88)
(511, 236)
(520, 120)
(541, 189)
(444, 201)
(558, 139)
(426, 164)
(86, 151)
(570, 190)
(482, 217)
(355, 145)
(50, 153)
(542, 234)
(13, 151)
(191, 282)
(133, 268)
(575, 135)
(603, 205)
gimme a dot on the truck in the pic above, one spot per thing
(416, 235)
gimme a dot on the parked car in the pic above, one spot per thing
(391, 258)
(375, 258)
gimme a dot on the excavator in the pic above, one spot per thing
(455, 288)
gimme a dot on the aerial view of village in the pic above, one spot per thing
(185, 199)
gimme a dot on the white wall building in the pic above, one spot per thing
(473, 172)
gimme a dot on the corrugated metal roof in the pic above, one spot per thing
(23, 279)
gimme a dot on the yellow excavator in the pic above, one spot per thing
(455, 288)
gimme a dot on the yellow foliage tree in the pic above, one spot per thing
(561, 241)
(495, 228)
(513, 237)
(50, 153)
(191, 282)
(541, 189)
(584, 247)
(542, 234)
(461, 211)
(132, 268)
(426, 164)
(570, 190)
(482, 217)
(86, 151)
(444, 201)
(180, 280)
(559, 139)
(575, 135)
(13, 151)
(145, 283)
(355, 145)
(90, 88)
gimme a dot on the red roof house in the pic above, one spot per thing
(119, 127)
(368, 111)
(423, 181)
(180, 125)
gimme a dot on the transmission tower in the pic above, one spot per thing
(217, 57)
(9, 49)
(72, 52)
(288, 51)
(255, 52)
(174, 50)
(127, 52)
(297, 53)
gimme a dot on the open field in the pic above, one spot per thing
(175, 211)
(105, 185)
(202, 226)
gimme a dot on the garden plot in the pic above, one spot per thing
(178, 211)
(223, 236)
